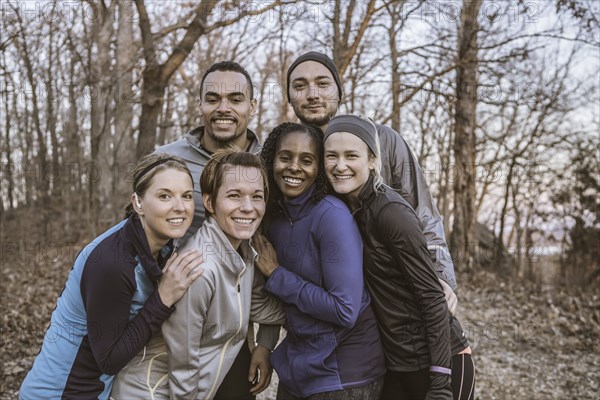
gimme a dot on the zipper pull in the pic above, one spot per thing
(238, 287)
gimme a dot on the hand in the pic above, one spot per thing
(450, 296)
(179, 273)
(266, 262)
(260, 369)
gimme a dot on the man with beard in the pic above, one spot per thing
(314, 90)
(226, 105)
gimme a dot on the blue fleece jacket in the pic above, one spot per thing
(332, 341)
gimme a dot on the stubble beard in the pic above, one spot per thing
(316, 120)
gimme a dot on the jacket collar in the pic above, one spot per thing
(365, 194)
(194, 138)
(137, 244)
(214, 241)
(297, 207)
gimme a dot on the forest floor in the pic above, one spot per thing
(529, 341)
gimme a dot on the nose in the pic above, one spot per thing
(179, 205)
(246, 204)
(223, 106)
(294, 167)
(340, 164)
(313, 92)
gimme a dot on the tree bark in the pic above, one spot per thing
(100, 84)
(463, 235)
(124, 150)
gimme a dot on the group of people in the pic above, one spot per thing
(328, 229)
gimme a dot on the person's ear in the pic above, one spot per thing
(137, 205)
(372, 162)
(207, 201)
(252, 107)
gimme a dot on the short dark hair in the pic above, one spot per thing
(270, 149)
(214, 172)
(228, 66)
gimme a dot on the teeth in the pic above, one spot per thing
(343, 176)
(224, 121)
(245, 221)
(295, 181)
(175, 220)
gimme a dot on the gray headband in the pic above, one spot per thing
(356, 125)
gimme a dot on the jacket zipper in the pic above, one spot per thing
(222, 356)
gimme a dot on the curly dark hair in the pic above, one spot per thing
(270, 149)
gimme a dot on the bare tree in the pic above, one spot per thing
(463, 235)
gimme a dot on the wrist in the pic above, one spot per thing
(165, 300)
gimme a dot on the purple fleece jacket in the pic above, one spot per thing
(332, 341)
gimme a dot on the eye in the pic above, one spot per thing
(188, 196)
(324, 84)
(233, 196)
(330, 156)
(284, 158)
(307, 161)
(211, 99)
(258, 197)
(299, 86)
(164, 196)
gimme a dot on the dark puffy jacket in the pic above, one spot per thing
(407, 297)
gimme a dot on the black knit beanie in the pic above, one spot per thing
(356, 125)
(321, 59)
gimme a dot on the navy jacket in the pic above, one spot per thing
(332, 341)
(105, 315)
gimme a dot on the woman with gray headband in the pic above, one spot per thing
(406, 294)
(121, 289)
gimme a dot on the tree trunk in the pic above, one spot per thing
(395, 56)
(8, 173)
(102, 197)
(463, 236)
(124, 150)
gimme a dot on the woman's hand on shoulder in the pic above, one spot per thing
(180, 271)
(266, 262)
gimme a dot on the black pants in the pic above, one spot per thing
(236, 386)
(414, 385)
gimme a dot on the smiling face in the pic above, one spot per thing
(348, 163)
(167, 207)
(313, 93)
(296, 164)
(226, 108)
(239, 204)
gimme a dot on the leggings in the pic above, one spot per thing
(463, 377)
(414, 385)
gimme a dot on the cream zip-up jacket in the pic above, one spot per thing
(208, 327)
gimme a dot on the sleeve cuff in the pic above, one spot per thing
(440, 370)
(268, 336)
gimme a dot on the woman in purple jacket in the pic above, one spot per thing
(332, 349)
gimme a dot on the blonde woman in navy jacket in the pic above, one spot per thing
(332, 349)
